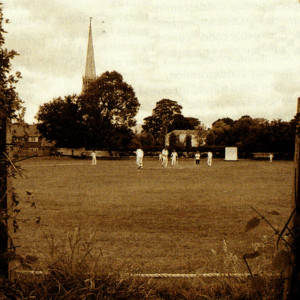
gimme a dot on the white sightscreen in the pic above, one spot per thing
(231, 153)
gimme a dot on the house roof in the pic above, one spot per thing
(20, 130)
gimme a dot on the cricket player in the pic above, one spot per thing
(139, 158)
(94, 158)
(197, 158)
(209, 158)
(174, 158)
(165, 154)
(160, 157)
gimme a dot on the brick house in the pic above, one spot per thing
(28, 141)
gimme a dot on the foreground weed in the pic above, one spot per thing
(76, 254)
(113, 286)
(281, 250)
(230, 260)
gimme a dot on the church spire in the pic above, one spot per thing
(90, 70)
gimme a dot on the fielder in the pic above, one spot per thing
(209, 158)
(160, 157)
(197, 158)
(94, 158)
(165, 154)
(174, 158)
(139, 158)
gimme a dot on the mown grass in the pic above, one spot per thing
(158, 220)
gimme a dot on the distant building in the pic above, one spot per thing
(183, 135)
(28, 141)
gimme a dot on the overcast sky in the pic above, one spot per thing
(215, 58)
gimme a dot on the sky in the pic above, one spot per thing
(215, 58)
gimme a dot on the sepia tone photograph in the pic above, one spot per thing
(149, 149)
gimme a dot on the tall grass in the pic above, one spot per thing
(76, 269)
(66, 285)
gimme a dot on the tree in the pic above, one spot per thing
(173, 140)
(100, 118)
(146, 141)
(183, 123)
(162, 118)
(10, 103)
(117, 138)
(282, 136)
(244, 132)
(210, 138)
(254, 135)
(152, 127)
(220, 133)
(112, 98)
(61, 120)
(108, 106)
(201, 134)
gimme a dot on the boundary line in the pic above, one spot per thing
(170, 275)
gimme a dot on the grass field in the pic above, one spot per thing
(155, 220)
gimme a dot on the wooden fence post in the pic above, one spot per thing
(3, 201)
(6, 227)
(294, 286)
(9, 186)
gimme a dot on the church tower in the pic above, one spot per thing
(90, 70)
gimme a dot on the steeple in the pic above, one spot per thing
(90, 70)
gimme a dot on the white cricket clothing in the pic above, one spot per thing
(209, 158)
(174, 157)
(139, 153)
(165, 154)
(139, 158)
(94, 159)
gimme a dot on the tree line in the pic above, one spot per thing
(254, 135)
(103, 116)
